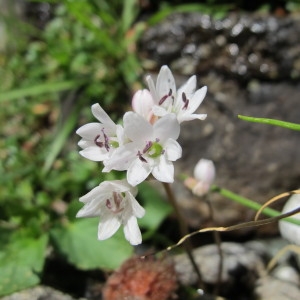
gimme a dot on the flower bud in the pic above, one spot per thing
(204, 175)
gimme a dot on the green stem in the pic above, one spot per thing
(288, 125)
(251, 204)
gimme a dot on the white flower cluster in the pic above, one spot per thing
(145, 144)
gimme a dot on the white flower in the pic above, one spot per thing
(204, 176)
(152, 150)
(99, 140)
(183, 102)
(142, 103)
(115, 203)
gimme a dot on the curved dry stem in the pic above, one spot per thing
(274, 199)
(274, 260)
(234, 227)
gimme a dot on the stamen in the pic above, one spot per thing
(139, 154)
(185, 101)
(108, 204)
(101, 144)
(117, 199)
(164, 98)
(106, 141)
(98, 143)
(147, 147)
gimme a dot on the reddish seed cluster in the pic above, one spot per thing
(142, 279)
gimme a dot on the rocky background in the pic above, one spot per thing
(251, 65)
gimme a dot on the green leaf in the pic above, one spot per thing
(78, 242)
(38, 90)
(60, 141)
(156, 207)
(21, 260)
(292, 126)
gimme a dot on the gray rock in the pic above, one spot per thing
(271, 288)
(39, 293)
(239, 263)
(241, 59)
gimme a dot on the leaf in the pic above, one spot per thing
(157, 209)
(60, 141)
(78, 242)
(50, 87)
(21, 260)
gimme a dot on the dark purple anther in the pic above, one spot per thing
(147, 147)
(139, 154)
(164, 98)
(185, 101)
(98, 143)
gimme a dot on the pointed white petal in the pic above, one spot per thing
(159, 111)
(164, 170)
(137, 172)
(90, 131)
(197, 99)
(142, 103)
(84, 143)
(188, 88)
(94, 153)
(102, 116)
(121, 158)
(173, 150)
(137, 209)
(108, 226)
(137, 128)
(165, 82)
(152, 88)
(166, 127)
(189, 117)
(132, 231)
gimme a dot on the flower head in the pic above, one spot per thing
(204, 175)
(152, 149)
(183, 103)
(114, 202)
(99, 140)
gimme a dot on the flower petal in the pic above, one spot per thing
(190, 117)
(94, 153)
(197, 99)
(173, 150)
(121, 158)
(108, 226)
(137, 209)
(132, 231)
(89, 131)
(166, 127)
(142, 103)
(188, 88)
(102, 116)
(164, 170)
(165, 83)
(137, 172)
(136, 128)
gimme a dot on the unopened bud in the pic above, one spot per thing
(204, 174)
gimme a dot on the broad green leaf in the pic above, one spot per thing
(289, 125)
(157, 209)
(78, 242)
(21, 260)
